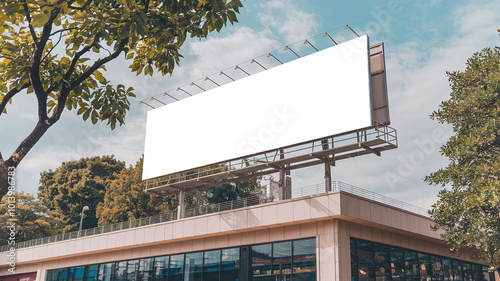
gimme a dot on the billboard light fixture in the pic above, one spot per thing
(254, 61)
(237, 67)
(222, 73)
(180, 89)
(194, 84)
(307, 42)
(148, 104)
(326, 34)
(288, 48)
(271, 55)
(166, 94)
(206, 78)
(153, 98)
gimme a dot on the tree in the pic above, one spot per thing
(233, 191)
(125, 198)
(93, 32)
(468, 208)
(32, 219)
(76, 184)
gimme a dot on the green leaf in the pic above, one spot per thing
(86, 114)
(94, 117)
(40, 20)
(81, 110)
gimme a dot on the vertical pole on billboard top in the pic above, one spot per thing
(328, 169)
(181, 209)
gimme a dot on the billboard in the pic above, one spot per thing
(319, 95)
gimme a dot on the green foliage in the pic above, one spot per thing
(125, 198)
(76, 184)
(468, 209)
(32, 219)
(58, 49)
(233, 191)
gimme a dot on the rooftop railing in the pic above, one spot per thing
(225, 206)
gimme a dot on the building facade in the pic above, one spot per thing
(329, 236)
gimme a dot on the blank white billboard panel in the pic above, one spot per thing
(319, 95)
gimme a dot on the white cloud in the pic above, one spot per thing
(288, 20)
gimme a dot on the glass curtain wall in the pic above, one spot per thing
(279, 261)
(371, 261)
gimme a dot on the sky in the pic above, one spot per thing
(423, 40)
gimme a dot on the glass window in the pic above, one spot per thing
(106, 271)
(79, 273)
(437, 268)
(64, 274)
(121, 271)
(230, 264)
(354, 260)
(91, 272)
(161, 268)
(411, 266)
(54, 275)
(467, 268)
(382, 262)
(447, 270)
(176, 268)
(211, 265)
(424, 266)
(397, 264)
(146, 270)
(486, 274)
(304, 260)
(366, 268)
(457, 270)
(193, 266)
(132, 269)
(282, 261)
(69, 275)
(261, 256)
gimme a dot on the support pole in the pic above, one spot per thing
(328, 170)
(328, 175)
(181, 209)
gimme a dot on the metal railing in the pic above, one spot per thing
(224, 206)
(351, 189)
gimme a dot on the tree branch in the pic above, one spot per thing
(99, 63)
(61, 101)
(28, 17)
(77, 56)
(11, 94)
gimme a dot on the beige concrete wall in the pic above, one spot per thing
(332, 218)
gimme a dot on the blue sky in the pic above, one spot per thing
(423, 40)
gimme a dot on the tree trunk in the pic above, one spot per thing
(18, 155)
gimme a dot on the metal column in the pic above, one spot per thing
(181, 209)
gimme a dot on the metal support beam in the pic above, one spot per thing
(181, 209)
(376, 152)
(328, 174)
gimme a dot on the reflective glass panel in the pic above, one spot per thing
(132, 269)
(457, 270)
(397, 264)
(261, 256)
(382, 262)
(366, 268)
(282, 261)
(121, 271)
(467, 269)
(354, 260)
(176, 268)
(211, 265)
(105, 272)
(230, 264)
(79, 273)
(424, 266)
(146, 270)
(193, 266)
(411, 266)
(91, 272)
(161, 268)
(437, 268)
(63, 275)
(70, 274)
(447, 270)
(304, 260)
